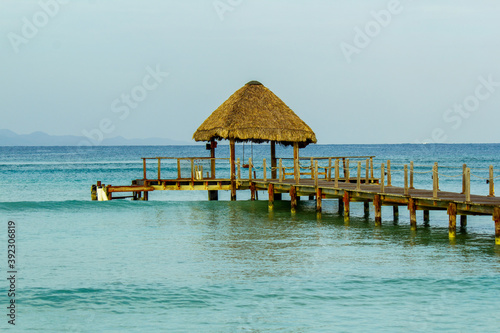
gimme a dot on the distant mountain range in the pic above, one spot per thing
(9, 138)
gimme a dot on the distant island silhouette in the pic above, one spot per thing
(10, 138)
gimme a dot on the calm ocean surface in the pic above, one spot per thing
(181, 264)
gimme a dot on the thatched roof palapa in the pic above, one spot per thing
(254, 113)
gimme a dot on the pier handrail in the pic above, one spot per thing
(327, 168)
(194, 168)
(436, 174)
(326, 157)
(184, 158)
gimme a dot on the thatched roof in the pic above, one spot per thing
(254, 113)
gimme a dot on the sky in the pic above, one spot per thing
(356, 71)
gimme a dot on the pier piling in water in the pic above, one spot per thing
(377, 204)
(341, 205)
(452, 213)
(412, 207)
(463, 223)
(395, 213)
(347, 210)
(496, 218)
(319, 197)
(252, 191)
(270, 191)
(293, 199)
(426, 217)
(213, 195)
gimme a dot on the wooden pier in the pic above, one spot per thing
(255, 114)
(321, 178)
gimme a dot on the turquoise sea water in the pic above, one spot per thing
(181, 264)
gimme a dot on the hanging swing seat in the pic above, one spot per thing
(246, 166)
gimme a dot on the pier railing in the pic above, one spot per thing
(185, 167)
(198, 168)
(353, 169)
(405, 175)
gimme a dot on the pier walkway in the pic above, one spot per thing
(326, 183)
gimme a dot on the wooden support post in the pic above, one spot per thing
(144, 168)
(232, 169)
(293, 199)
(406, 190)
(496, 218)
(341, 205)
(366, 208)
(264, 168)
(159, 168)
(367, 173)
(347, 201)
(273, 160)
(238, 163)
(382, 178)
(426, 217)
(315, 171)
(281, 171)
(146, 193)
(252, 191)
(412, 207)
(452, 213)
(212, 159)
(389, 178)
(312, 168)
(437, 172)
(395, 213)
(467, 185)
(347, 171)
(358, 179)
(371, 170)
(178, 168)
(270, 191)
(463, 222)
(250, 168)
(377, 204)
(344, 167)
(337, 172)
(411, 176)
(491, 181)
(435, 185)
(464, 178)
(319, 197)
(329, 177)
(192, 169)
(296, 162)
